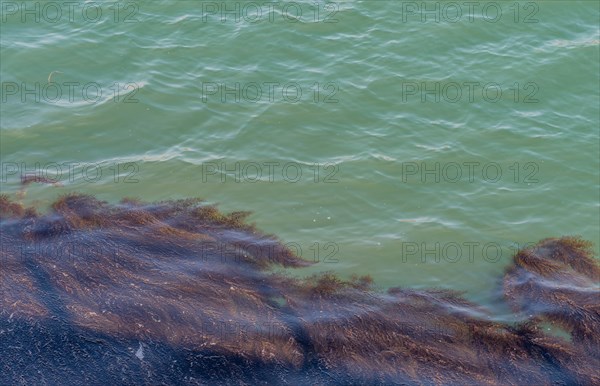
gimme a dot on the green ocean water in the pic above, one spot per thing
(419, 142)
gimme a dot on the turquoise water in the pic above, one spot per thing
(510, 91)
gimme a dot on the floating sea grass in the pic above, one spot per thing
(557, 280)
(29, 179)
(177, 292)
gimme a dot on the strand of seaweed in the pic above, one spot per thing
(141, 293)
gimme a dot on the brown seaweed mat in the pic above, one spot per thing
(178, 293)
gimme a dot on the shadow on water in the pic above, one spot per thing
(177, 292)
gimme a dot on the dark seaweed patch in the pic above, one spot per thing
(146, 297)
